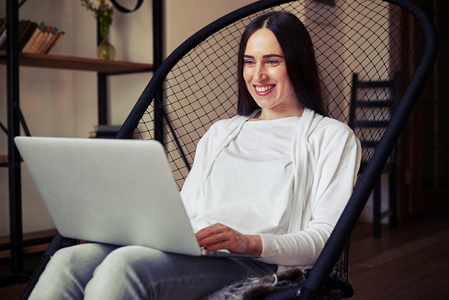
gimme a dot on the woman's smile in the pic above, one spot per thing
(263, 90)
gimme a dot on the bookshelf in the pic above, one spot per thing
(14, 61)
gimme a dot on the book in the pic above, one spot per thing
(50, 34)
(59, 35)
(40, 39)
(26, 35)
(2, 34)
(23, 25)
(3, 40)
(33, 37)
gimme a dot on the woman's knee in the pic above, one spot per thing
(68, 271)
(130, 259)
(77, 263)
(83, 255)
(126, 273)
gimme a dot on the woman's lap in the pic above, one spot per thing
(141, 273)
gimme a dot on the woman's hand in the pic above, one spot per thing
(218, 236)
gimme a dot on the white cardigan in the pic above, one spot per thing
(326, 159)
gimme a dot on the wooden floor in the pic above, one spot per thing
(411, 262)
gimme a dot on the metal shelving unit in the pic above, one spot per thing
(13, 59)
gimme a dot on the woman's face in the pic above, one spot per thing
(266, 78)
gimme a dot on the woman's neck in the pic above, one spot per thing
(267, 114)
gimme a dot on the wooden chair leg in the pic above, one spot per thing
(376, 210)
(393, 199)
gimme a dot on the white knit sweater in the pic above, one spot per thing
(326, 159)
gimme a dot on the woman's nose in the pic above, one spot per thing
(260, 73)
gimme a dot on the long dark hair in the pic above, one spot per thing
(299, 56)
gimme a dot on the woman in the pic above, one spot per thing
(271, 182)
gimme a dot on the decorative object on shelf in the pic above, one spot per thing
(103, 10)
(106, 50)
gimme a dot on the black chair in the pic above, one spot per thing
(196, 86)
(372, 106)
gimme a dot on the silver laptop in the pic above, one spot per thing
(111, 191)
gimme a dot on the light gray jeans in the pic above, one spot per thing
(97, 271)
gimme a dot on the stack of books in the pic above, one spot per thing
(105, 131)
(33, 37)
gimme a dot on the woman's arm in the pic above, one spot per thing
(334, 155)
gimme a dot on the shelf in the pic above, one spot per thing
(78, 63)
(3, 160)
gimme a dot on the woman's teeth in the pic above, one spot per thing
(262, 89)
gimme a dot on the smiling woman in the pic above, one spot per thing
(274, 188)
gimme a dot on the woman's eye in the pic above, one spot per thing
(272, 62)
(249, 62)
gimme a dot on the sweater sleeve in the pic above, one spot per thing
(334, 159)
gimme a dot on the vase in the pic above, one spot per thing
(106, 50)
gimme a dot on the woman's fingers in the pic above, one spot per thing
(218, 236)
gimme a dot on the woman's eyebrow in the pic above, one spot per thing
(265, 56)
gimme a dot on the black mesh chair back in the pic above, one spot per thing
(197, 86)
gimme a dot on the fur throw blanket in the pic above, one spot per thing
(255, 288)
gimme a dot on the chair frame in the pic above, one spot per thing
(317, 277)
